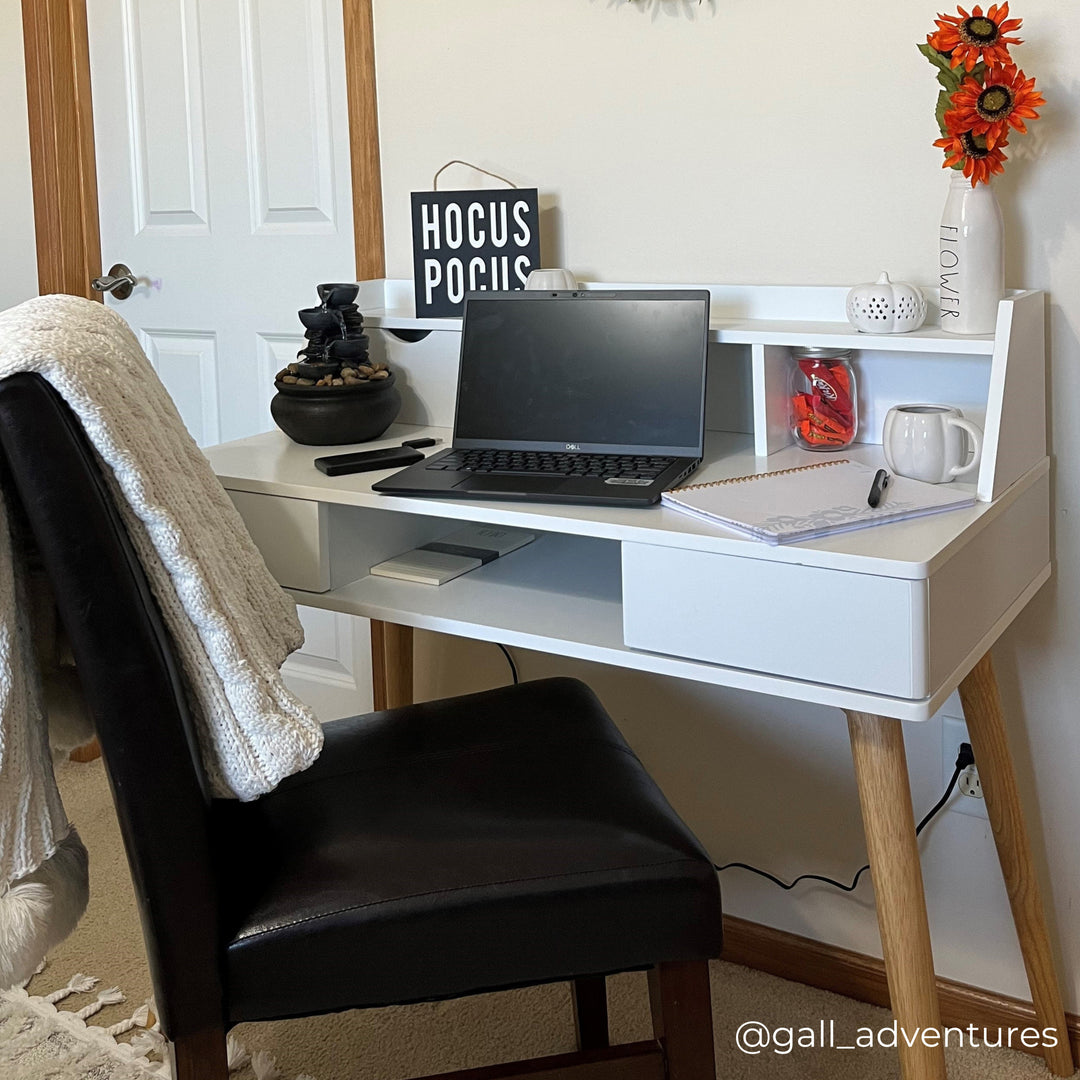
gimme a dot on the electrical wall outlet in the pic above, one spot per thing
(967, 796)
(968, 783)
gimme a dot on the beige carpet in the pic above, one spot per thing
(412, 1041)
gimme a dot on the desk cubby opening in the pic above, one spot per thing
(1013, 424)
(729, 389)
(426, 373)
(560, 593)
(883, 380)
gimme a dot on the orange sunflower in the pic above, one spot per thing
(980, 161)
(1003, 99)
(969, 38)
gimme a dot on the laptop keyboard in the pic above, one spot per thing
(556, 463)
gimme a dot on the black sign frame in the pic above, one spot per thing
(472, 241)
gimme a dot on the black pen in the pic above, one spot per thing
(877, 488)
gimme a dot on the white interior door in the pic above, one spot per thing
(222, 148)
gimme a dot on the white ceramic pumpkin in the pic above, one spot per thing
(886, 307)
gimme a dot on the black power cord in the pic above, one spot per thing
(964, 758)
(510, 661)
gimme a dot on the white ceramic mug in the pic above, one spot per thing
(927, 442)
(551, 280)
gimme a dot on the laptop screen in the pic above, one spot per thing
(597, 371)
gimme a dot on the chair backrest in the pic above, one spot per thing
(133, 688)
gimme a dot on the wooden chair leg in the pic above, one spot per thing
(986, 725)
(590, 1012)
(877, 746)
(200, 1056)
(391, 664)
(682, 1019)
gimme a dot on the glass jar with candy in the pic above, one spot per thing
(824, 406)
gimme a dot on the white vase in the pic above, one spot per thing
(971, 258)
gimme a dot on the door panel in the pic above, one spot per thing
(273, 352)
(187, 363)
(222, 146)
(289, 130)
(333, 673)
(165, 110)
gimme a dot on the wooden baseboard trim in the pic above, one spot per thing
(853, 975)
(90, 752)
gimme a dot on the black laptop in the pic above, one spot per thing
(587, 396)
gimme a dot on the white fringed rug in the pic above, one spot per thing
(38, 1041)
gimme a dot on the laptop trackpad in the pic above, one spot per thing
(524, 485)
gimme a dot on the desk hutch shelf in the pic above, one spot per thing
(997, 379)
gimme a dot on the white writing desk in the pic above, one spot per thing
(914, 608)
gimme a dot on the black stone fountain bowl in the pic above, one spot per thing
(321, 320)
(338, 293)
(333, 415)
(350, 348)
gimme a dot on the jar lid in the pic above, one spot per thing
(814, 353)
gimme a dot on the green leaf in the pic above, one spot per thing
(950, 78)
(944, 103)
(938, 59)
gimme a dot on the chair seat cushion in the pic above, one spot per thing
(476, 843)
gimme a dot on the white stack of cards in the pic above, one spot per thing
(451, 556)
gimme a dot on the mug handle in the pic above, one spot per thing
(976, 440)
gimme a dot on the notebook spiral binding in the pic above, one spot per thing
(759, 476)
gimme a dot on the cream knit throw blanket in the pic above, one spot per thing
(231, 624)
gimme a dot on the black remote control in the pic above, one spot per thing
(388, 457)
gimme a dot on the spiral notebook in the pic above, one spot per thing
(811, 501)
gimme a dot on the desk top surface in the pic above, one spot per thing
(272, 464)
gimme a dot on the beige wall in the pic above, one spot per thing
(723, 142)
(18, 259)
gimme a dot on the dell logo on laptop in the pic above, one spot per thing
(572, 446)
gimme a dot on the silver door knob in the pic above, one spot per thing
(119, 281)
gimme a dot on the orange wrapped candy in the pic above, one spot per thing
(824, 410)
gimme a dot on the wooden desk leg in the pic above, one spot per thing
(877, 746)
(986, 725)
(391, 664)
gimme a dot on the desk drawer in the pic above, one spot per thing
(827, 626)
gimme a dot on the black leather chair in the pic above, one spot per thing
(497, 840)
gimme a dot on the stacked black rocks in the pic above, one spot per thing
(334, 393)
(336, 353)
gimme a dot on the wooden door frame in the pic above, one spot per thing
(363, 140)
(63, 165)
(61, 123)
